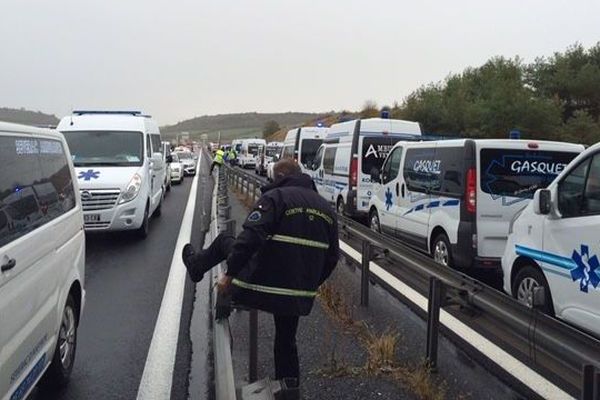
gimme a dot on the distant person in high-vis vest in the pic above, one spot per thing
(218, 160)
(287, 249)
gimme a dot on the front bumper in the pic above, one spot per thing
(189, 170)
(176, 176)
(122, 217)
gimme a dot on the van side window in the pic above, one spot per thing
(392, 166)
(591, 197)
(148, 147)
(329, 159)
(421, 170)
(570, 191)
(156, 144)
(451, 173)
(318, 158)
(35, 185)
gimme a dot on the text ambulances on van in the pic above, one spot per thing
(455, 199)
(554, 244)
(302, 144)
(120, 168)
(342, 168)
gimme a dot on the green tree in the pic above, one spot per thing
(270, 128)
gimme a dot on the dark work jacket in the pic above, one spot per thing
(288, 208)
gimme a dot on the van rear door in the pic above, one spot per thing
(374, 148)
(509, 173)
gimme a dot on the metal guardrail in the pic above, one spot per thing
(560, 353)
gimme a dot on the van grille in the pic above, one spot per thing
(96, 200)
(96, 225)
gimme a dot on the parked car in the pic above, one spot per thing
(342, 166)
(177, 174)
(42, 260)
(188, 162)
(454, 199)
(553, 244)
(302, 144)
(120, 167)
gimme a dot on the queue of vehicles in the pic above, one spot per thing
(98, 171)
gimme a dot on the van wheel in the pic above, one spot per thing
(143, 230)
(527, 279)
(60, 369)
(440, 250)
(374, 223)
(340, 206)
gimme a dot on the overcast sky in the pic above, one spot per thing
(177, 59)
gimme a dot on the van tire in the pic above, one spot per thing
(60, 368)
(374, 222)
(441, 250)
(340, 207)
(143, 230)
(528, 278)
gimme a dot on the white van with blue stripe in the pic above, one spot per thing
(454, 199)
(554, 244)
(351, 149)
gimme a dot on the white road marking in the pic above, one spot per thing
(158, 372)
(510, 364)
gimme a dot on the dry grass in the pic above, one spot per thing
(381, 349)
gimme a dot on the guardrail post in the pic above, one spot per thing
(364, 276)
(589, 382)
(253, 351)
(433, 321)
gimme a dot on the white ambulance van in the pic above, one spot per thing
(554, 244)
(342, 167)
(42, 260)
(120, 168)
(454, 199)
(302, 144)
(248, 153)
(265, 156)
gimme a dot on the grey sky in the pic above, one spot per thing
(181, 58)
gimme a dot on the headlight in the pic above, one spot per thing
(133, 188)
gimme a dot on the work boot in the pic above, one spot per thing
(194, 262)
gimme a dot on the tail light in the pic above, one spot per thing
(296, 156)
(471, 191)
(354, 172)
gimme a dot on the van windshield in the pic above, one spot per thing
(271, 151)
(253, 149)
(375, 150)
(519, 173)
(110, 148)
(309, 150)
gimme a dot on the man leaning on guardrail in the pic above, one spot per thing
(287, 249)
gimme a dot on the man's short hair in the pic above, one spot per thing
(286, 167)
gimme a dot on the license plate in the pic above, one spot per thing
(91, 217)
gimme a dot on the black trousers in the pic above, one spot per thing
(212, 167)
(286, 326)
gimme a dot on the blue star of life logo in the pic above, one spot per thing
(388, 199)
(89, 175)
(585, 272)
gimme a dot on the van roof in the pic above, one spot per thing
(26, 129)
(376, 125)
(115, 121)
(491, 142)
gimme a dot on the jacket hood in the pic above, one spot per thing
(301, 180)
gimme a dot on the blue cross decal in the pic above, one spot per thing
(585, 272)
(388, 199)
(89, 175)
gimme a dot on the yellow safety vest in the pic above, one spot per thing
(219, 157)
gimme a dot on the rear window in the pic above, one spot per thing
(375, 150)
(308, 149)
(519, 173)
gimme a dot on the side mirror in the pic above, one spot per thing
(375, 175)
(169, 159)
(542, 202)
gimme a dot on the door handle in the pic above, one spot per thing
(7, 266)
(397, 189)
(403, 190)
